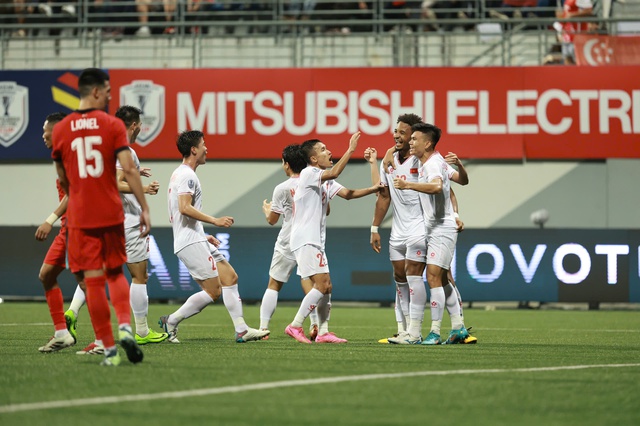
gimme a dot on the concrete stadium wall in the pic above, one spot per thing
(588, 195)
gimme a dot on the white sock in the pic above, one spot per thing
(437, 308)
(308, 304)
(402, 306)
(313, 318)
(417, 304)
(98, 342)
(233, 303)
(324, 314)
(451, 300)
(194, 305)
(61, 333)
(404, 295)
(140, 306)
(459, 301)
(268, 307)
(78, 300)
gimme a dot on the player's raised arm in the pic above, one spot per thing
(271, 216)
(335, 171)
(460, 176)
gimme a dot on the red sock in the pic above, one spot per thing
(119, 293)
(56, 308)
(99, 310)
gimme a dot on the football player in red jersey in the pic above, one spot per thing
(86, 144)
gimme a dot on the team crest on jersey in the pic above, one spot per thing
(14, 112)
(149, 97)
(191, 183)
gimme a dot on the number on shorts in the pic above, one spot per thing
(322, 262)
(213, 263)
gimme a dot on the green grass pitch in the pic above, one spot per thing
(529, 368)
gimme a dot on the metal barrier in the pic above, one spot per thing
(274, 34)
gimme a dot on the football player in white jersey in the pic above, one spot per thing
(194, 248)
(433, 186)
(407, 244)
(316, 187)
(398, 162)
(137, 248)
(283, 261)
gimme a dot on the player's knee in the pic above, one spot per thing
(47, 278)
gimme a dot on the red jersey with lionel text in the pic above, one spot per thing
(87, 142)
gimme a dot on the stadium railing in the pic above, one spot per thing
(269, 34)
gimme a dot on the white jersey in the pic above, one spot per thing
(407, 213)
(437, 208)
(186, 230)
(130, 205)
(310, 208)
(282, 203)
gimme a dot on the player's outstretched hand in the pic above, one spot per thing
(387, 161)
(266, 207)
(371, 155)
(43, 231)
(353, 142)
(223, 222)
(399, 183)
(145, 171)
(375, 242)
(452, 158)
(213, 240)
(153, 188)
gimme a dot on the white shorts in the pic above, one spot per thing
(281, 267)
(198, 260)
(137, 248)
(217, 256)
(442, 245)
(414, 248)
(311, 261)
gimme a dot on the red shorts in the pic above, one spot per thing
(57, 253)
(99, 248)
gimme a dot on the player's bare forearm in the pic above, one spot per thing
(337, 168)
(432, 187)
(382, 206)
(351, 194)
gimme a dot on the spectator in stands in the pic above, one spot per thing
(301, 9)
(402, 10)
(169, 14)
(142, 7)
(450, 10)
(55, 11)
(567, 30)
(347, 10)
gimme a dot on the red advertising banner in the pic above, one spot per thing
(485, 113)
(596, 50)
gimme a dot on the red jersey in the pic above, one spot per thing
(572, 28)
(87, 142)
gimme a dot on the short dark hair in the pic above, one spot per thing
(409, 119)
(55, 117)
(128, 114)
(307, 149)
(188, 139)
(292, 155)
(432, 132)
(89, 78)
